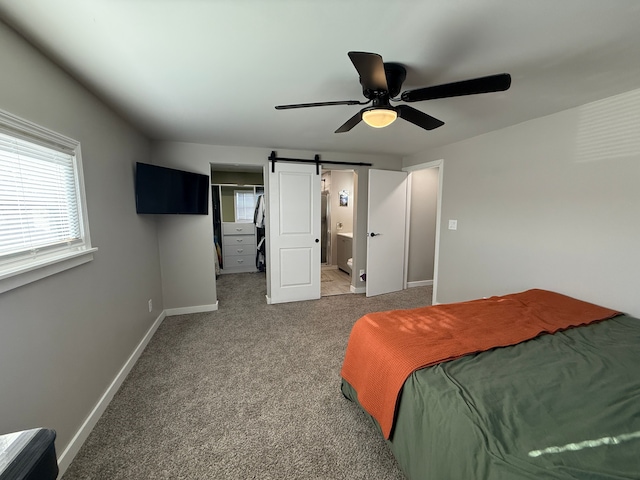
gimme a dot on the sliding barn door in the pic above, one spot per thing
(294, 221)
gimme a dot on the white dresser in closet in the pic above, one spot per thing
(238, 247)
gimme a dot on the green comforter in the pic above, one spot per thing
(562, 406)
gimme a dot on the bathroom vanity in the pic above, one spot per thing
(345, 244)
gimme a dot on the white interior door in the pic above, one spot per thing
(294, 221)
(386, 231)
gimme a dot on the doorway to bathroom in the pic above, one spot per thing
(337, 202)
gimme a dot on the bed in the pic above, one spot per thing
(562, 402)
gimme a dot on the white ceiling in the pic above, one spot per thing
(212, 71)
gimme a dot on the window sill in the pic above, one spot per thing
(23, 274)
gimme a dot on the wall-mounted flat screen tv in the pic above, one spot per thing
(161, 190)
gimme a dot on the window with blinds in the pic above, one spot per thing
(38, 199)
(245, 205)
(41, 215)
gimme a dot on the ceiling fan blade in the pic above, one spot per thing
(349, 124)
(319, 104)
(491, 83)
(370, 67)
(418, 118)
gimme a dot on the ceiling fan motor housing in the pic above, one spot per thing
(395, 74)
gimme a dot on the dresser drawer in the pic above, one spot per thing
(235, 250)
(233, 261)
(238, 229)
(247, 241)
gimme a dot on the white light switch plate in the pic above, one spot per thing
(453, 224)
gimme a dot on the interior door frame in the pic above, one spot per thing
(439, 164)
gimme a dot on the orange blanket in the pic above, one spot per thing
(385, 348)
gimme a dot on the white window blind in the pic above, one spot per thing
(39, 209)
(245, 205)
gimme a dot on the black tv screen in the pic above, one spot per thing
(169, 191)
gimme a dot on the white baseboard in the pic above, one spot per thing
(69, 453)
(421, 283)
(197, 309)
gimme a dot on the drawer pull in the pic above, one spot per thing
(240, 250)
(239, 229)
(240, 260)
(239, 240)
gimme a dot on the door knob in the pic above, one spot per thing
(374, 234)
(317, 240)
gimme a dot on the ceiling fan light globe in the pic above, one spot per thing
(379, 117)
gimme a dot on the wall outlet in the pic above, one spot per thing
(150, 305)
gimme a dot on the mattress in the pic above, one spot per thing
(561, 406)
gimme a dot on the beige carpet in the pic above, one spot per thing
(251, 391)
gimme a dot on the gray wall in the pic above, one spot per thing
(422, 224)
(186, 243)
(64, 338)
(550, 203)
(237, 178)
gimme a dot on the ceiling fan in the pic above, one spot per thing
(381, 83)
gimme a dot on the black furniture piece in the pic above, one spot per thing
(28, 455)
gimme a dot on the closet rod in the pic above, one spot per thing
(273, 159)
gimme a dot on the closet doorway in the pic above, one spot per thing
(336, 219)
(237, 233)
(424, 197)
